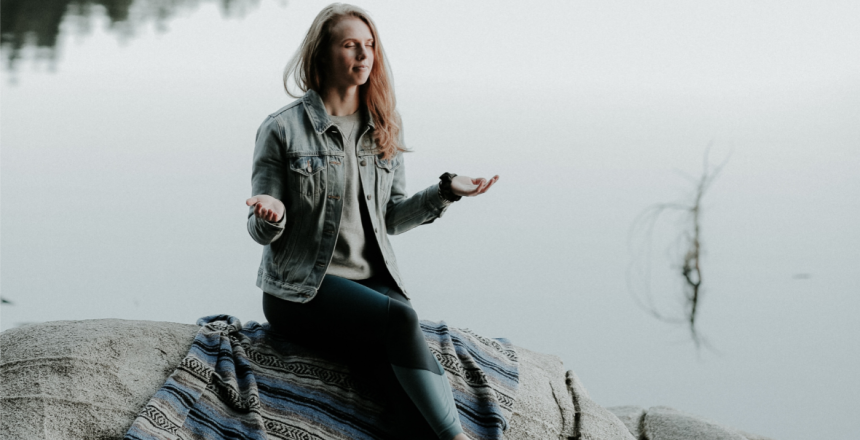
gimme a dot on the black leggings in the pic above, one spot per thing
(356, 319)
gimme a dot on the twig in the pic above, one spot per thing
(690, 269)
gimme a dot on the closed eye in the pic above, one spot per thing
(353, 45)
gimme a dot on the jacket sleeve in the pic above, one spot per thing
(404, 213)
(267, 176)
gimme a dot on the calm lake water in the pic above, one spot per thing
(126, 163)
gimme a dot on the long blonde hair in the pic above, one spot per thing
(306, 67)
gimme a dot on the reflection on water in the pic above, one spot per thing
(36, 24)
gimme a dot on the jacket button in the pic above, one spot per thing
(374, 230)
(368, 197)
(363, 162)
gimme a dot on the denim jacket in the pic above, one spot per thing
(298, 159)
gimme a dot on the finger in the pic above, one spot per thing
(492, 181)
(476, 185)
(251, 201)
(484, 185)
(258, 210)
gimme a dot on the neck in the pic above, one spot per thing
(340, 101)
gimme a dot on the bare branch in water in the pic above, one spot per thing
(690, 268)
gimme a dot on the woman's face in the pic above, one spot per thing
(351, 52)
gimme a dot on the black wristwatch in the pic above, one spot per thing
(445, 187)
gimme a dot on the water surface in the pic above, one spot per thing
(125, 168)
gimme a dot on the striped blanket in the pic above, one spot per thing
(243, 382)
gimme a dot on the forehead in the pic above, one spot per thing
(350, 27)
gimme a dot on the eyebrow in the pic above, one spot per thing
(357, 39)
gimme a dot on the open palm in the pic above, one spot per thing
(469, 187)
(267, 207)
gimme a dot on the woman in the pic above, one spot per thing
(329, 185)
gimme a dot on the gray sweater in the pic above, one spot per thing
(356, 254)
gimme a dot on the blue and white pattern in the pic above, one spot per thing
(245, 382)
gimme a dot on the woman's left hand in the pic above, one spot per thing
(467, 186)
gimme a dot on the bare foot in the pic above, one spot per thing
(461, 436)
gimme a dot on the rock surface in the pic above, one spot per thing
(594, 421)
(89, 379)
(84, 379)
(664, 423)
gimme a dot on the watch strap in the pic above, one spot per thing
(445, 187)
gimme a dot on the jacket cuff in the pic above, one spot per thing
(264, 231)
(434, 198)
(444, 200)
(279, 224)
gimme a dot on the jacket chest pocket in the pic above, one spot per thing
(306, 176)
(385, 171)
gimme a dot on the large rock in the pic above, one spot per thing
(594, 421)
(89, 379)
(664, 423)
(552, 405)
(84, 379)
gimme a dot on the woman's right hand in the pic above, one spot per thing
(267, 207)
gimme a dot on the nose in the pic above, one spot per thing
(362, 53)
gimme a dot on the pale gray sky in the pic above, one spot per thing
(124, 175)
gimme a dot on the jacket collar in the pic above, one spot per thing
(315, 109)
